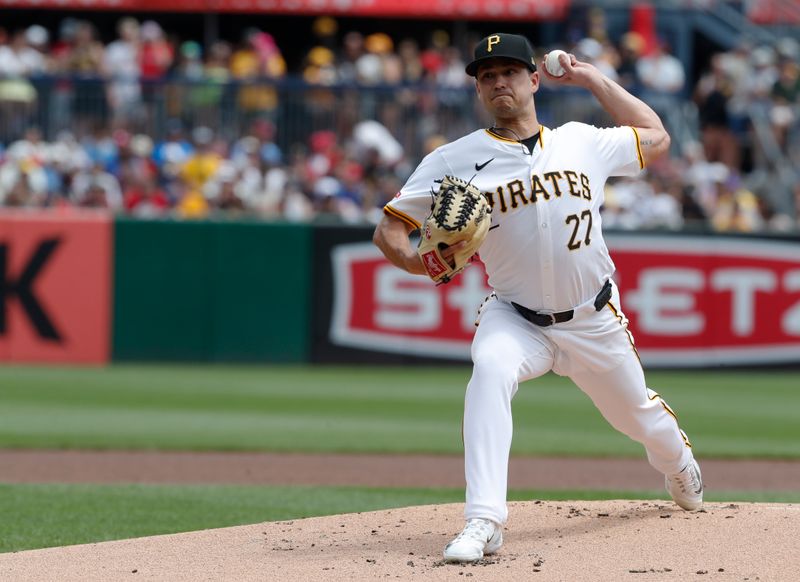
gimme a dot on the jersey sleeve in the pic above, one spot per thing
(619, 150)
(412, 204)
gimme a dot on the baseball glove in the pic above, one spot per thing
(459, 213)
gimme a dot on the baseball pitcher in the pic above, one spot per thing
(554, 304)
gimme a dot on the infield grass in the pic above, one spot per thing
(731, 414)
(38, 516)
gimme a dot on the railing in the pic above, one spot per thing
(412, 113)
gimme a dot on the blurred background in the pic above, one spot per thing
(319, 111)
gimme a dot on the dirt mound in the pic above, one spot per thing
(576, 541)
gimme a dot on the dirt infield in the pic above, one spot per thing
(30, 466)
(546, 541)
(549, 541)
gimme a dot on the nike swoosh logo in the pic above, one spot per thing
(479, 167)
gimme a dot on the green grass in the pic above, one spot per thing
(369, 409)
(38, 516)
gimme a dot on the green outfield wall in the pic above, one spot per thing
(211, 291)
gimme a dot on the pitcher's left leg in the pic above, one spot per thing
(628, 405)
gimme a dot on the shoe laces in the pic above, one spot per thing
(688, 480)
(477, 529)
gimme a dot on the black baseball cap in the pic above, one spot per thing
(502, 45)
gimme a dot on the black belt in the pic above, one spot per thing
(548, 319)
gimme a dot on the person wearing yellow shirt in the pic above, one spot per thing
(204, 163)
(259, 59)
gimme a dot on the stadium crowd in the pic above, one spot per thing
(106, 152)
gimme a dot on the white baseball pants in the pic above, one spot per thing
(596, 351)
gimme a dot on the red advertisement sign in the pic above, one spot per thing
(703, 300)
(55, 296)
(442, 9)
(380, 307)
(691, 301)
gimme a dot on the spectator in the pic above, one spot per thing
(451, 79)
(370, 65)
(171, 154)
(352, 49)
(22, 185)
(320, 66)
(786, 98)
(30, 149)
(222, 190)
(135, 160)
(661, 71)
(603, 57)
(735, 65)
(100, 146)
(207, 93)
(712, 94)
(432, 59)
(762, 76)
(66, 157)
(19, 61)
(143, 198)
(258, 60)
(21, 58)
(96, 188)
(631, 47)
(156, 55)
(737, 209)
(203, 163)
(38, 39)
(296, 205)
(189, 75)
(250, 184)
(694, 216)
(122, 65)
(408, 51)
(665, 207)
(259, 161)
(82, 59)
(325, 155)
(701, 176)
(23, 179)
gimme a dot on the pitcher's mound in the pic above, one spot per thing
(568, 540)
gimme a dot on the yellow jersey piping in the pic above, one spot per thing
(401, 215)
(627, 331)
(507, 140)
(673, 415)
(500, 137)
(655, 394)
(638, 148)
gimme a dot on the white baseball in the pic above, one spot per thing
(553, 66)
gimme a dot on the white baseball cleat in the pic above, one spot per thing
(479, 537)
(686, 487)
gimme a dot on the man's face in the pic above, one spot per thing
(506, 87)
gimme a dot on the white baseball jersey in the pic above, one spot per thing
(545, 249)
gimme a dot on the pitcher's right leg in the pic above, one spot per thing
(506, 350)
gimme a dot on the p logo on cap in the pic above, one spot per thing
(502, 45)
